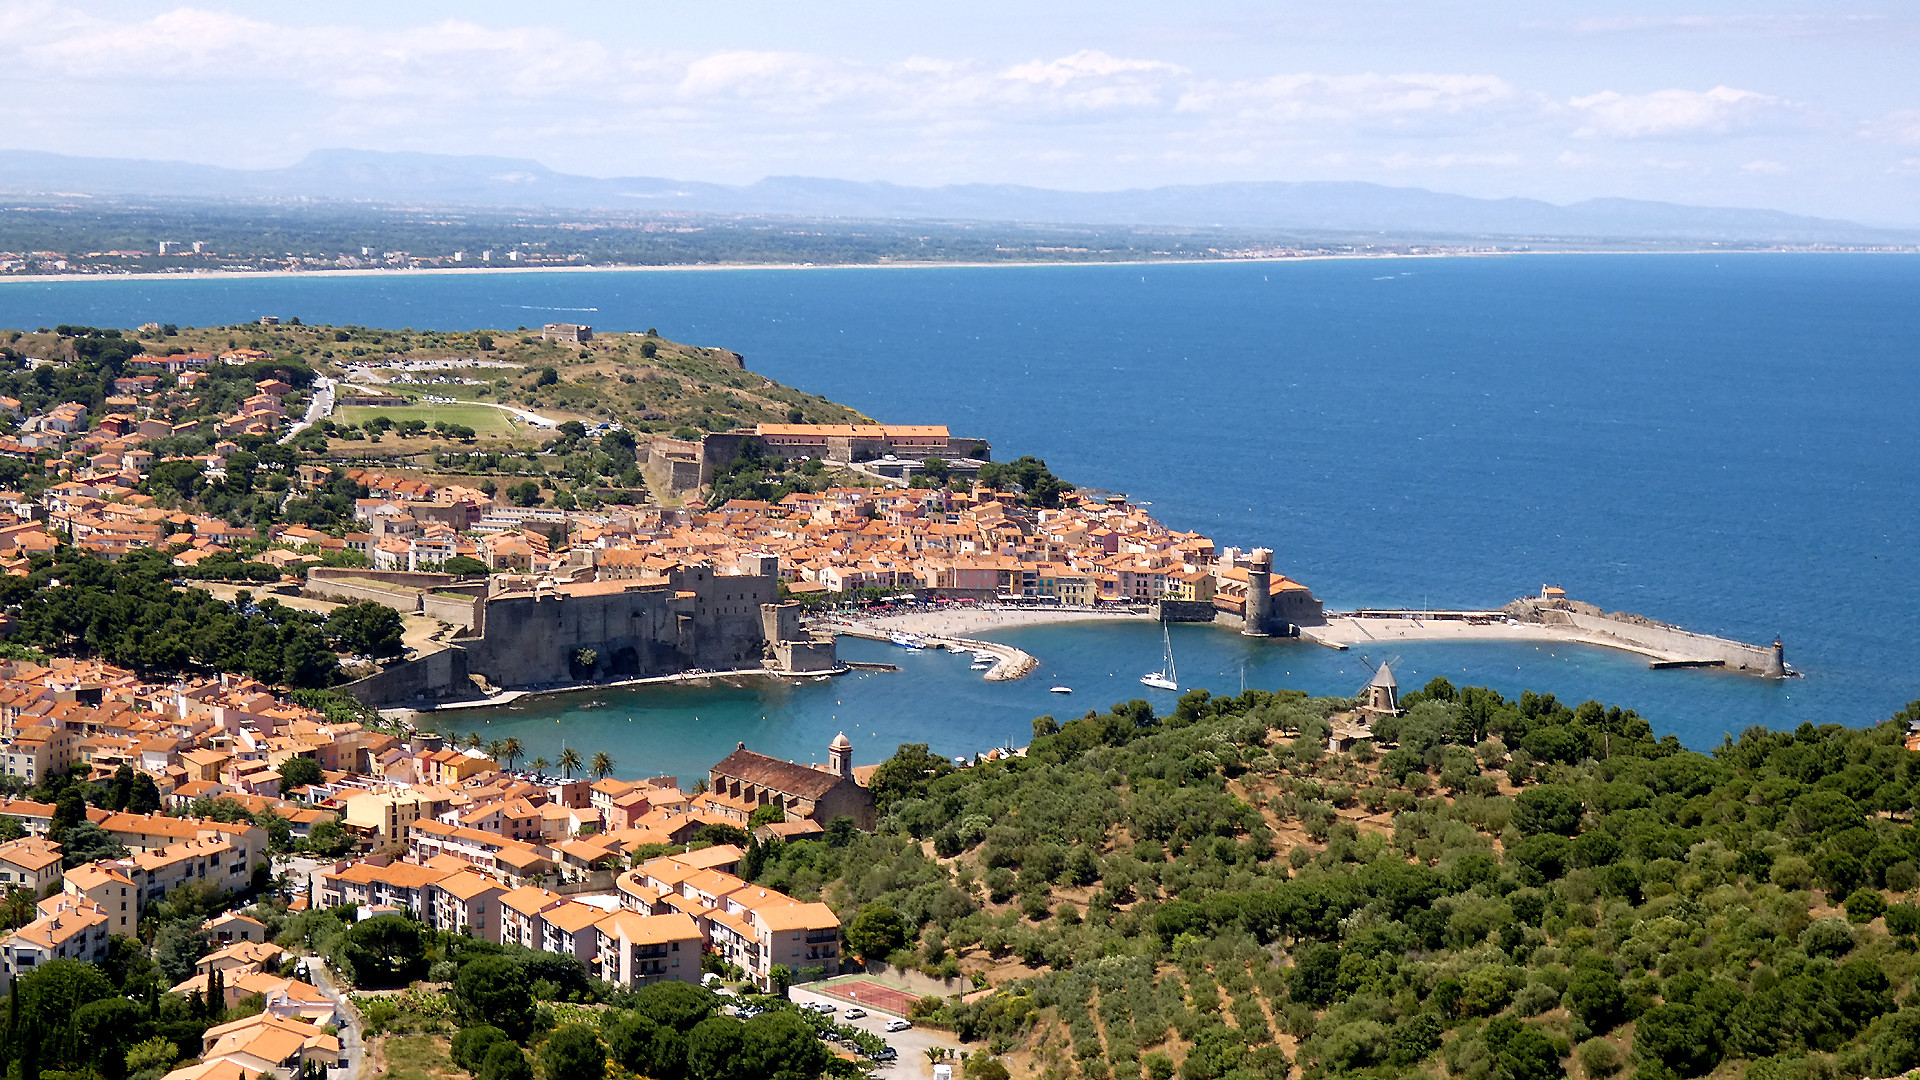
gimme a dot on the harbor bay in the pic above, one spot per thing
(1404, 433)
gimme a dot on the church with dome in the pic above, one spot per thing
(745, 781)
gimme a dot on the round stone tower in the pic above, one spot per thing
(840, 756)
(1259, 606)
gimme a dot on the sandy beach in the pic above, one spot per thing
(971, 622)
(203, 275)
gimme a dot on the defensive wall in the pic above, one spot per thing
(546, 631)
(1184, 611)
(438, 596)
(431, 680)
(694, 618)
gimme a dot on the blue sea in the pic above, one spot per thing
(1720, 441)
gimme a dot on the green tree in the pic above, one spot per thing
(906, 774)
(367, 628)
(714, 1050)
(1595, 996)
(513, 751)
(675, 1005)
(505, 1061)
(569, 761)
(298, 772)
(329, 840)
(1679, 1037)
(646, 1047)
(573, 1052)
(88, 842)
(470, 1045)
(1547, 809)
(780, 1046)
(876, 932)
(602, 765)
(386, 950)
(493, 990)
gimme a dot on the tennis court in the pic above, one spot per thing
(868, 994)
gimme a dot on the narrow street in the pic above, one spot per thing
(321, 408)
(350, 1045)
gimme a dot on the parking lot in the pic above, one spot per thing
(912, 1044)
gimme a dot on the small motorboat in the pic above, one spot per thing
(1060, 690)
(909, 641)
(982, 665)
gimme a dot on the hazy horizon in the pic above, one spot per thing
(1772, 105)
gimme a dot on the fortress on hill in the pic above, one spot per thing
(675, 466)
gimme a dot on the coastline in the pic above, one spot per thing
(234, 275)
(967, 622)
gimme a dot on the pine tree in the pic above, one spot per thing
(216, 996)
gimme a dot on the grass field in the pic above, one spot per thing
(417, 1057)
(482, 419)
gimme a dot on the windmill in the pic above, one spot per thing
(1380, 694)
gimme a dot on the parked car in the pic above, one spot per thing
(899, 1024)
(854, 1013)
(885, 1053)
(822, 1007)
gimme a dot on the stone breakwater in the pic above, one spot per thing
(1556, 620)
(1010, 663)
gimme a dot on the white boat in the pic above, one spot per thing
(909, 641)
(1060, 690)
(982, 667)
(1166, 678)
(985, 658)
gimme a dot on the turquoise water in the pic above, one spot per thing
(1719, 441)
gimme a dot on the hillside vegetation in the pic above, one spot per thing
(643, 380)
(1502, 890)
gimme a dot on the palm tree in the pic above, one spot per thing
(602, 765)
(569, 761)
(497, 750)
(511, 747)
(539, 764)
(474, 740)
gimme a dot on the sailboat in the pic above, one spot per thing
(1166, 678)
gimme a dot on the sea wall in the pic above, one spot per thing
(432, 679)
(1184, 611)
(1735, 655)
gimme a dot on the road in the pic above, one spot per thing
(350, 1045)
(321, 407)
(912, 1043)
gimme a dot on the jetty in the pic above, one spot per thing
(1009, 663)
(1553, 617)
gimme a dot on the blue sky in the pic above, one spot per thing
(1796, 106)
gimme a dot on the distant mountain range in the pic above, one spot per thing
(1305, 208)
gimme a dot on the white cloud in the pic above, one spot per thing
(1341, 97)
(1087, 64)
(1766, 167)
(1671, 112)
(1896, 127)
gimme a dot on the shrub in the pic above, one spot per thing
(1827, 937)
(1599, 1058)
(1865, 905)
(470, 1046)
